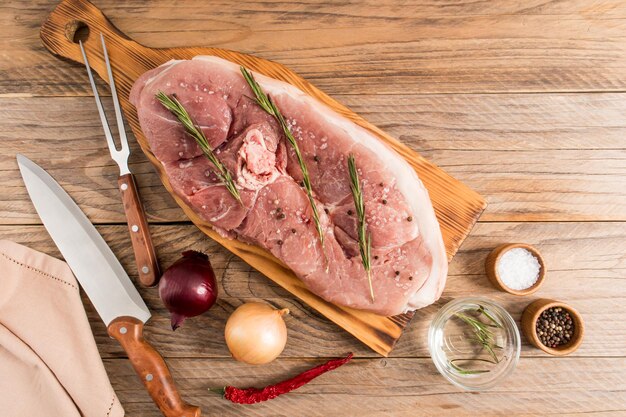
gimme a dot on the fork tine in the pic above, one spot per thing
(103, 117)
(116, 104)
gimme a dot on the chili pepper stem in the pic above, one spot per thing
(220, 391)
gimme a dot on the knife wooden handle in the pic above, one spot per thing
(145, 257)
(150, 367)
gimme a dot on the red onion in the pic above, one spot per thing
(188, 287)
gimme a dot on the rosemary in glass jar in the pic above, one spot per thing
(480, 341)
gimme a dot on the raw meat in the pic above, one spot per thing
(409, 263)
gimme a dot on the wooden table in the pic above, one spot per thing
(522, 100)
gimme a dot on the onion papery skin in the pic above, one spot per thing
(256, 333)
(188, 287)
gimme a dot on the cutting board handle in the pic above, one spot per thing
(58, 30)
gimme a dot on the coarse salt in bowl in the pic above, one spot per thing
(516, 268)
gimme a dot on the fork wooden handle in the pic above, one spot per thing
(150, 367)
(145, 256)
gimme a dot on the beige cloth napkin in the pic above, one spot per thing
(49, 363)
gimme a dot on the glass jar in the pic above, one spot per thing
(457, 351)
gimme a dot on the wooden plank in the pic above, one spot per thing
(536, 157)
(398, 387)
(356, 47)
(504, 146)
(457, 207)
(80, 162)
(585, 262)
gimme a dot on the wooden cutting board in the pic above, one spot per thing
(457, 207)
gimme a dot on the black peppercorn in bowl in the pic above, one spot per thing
(553, 326)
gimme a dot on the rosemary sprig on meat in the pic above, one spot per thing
(365, 241)
(268, 105)
(177, 109)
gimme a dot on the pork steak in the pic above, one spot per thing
(409, 263)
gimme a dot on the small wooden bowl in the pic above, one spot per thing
(529, 322)
(492, 270)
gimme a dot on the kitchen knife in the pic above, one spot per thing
(106, 283)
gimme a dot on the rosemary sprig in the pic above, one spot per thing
(267, 104)
(462, 371)
(481, 310)
(483, 336)
(177, 109)
(365, 241)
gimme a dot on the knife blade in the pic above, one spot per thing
(95, 266)
(105, 282)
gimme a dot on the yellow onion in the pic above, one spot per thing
(256, 333)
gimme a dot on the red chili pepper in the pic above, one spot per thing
(257, 395)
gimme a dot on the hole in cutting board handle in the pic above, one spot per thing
(76, 30)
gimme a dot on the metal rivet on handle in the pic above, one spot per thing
(124, 186)
(134, 228)
(149, 377)
(145, 269)
(123, 330)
